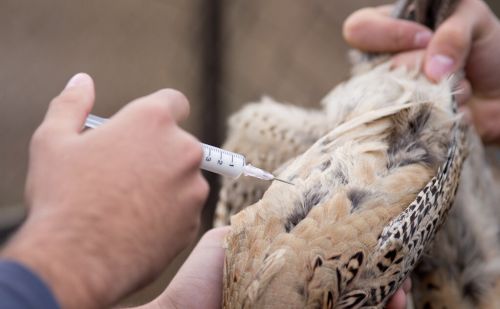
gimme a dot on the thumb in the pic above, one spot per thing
(68, 111)
(449, 48)
(202, 272)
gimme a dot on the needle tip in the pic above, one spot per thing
(284, 181)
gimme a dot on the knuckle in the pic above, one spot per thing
(200, 191)
(356, 23)
(399, 36)
(152, 109)
(173, 102)
(72, 95)
(353, 24)
(195, 151)
(162, 106)
(457, 40)
(191, 150)
(204, 189)
(41, 135)
(177, 103)
(45, 138)
(173, 95)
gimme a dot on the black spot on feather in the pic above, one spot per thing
(301, 290)
(329, 300)
(340, 175)
(357, 196)
(406, 143)
(383, 293)
(432, 286)
(373, 294)
(390, 255)
(335, 257)
(325, 165)
(311, 198)
(473, 291)
(339, 280)
(392, 285)
(382, 267)
(318, 262)
(294, 219)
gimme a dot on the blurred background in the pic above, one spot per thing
(221, 53)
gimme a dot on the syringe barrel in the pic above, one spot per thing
(215, 160)
(222, 162)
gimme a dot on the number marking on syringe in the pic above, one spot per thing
(208, 158)
(220, 162)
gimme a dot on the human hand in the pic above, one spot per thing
(109, 207)
(398, 300)
(202, 272)
(198, 284)
(468, 40)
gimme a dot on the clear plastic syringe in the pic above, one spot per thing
(215, 160)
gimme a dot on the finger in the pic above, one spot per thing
(451, 44)
(407, 285)
(371, 30)
(202, 272)
(485, 115)
(412, 60)
(176, 103)
(68, 111)
(466, 114)
(397, 301)
(463, 92)
(385, 9)
(165, 104)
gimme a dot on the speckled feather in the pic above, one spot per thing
(375, 174)
(322, 242)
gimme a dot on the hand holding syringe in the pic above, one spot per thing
(214, 160)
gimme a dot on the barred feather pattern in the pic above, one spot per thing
(315, 244)
(375, 173)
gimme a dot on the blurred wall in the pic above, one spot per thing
(130, 49)
(220, 53)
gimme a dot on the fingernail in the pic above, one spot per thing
(78, 80)
(422, 38)
(439, 66)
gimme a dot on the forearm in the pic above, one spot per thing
(107, 209)
(21, 288)
(50, 252)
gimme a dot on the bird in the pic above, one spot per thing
(376, 171)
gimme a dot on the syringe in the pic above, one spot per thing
(215, 160)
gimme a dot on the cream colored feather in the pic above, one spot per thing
(375, 173)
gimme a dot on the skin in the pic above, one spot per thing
(198, 284)
(468, 41)
(107, 209)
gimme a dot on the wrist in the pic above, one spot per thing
(50, 253)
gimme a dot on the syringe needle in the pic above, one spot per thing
(284, 181)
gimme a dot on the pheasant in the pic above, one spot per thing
(375, 173)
